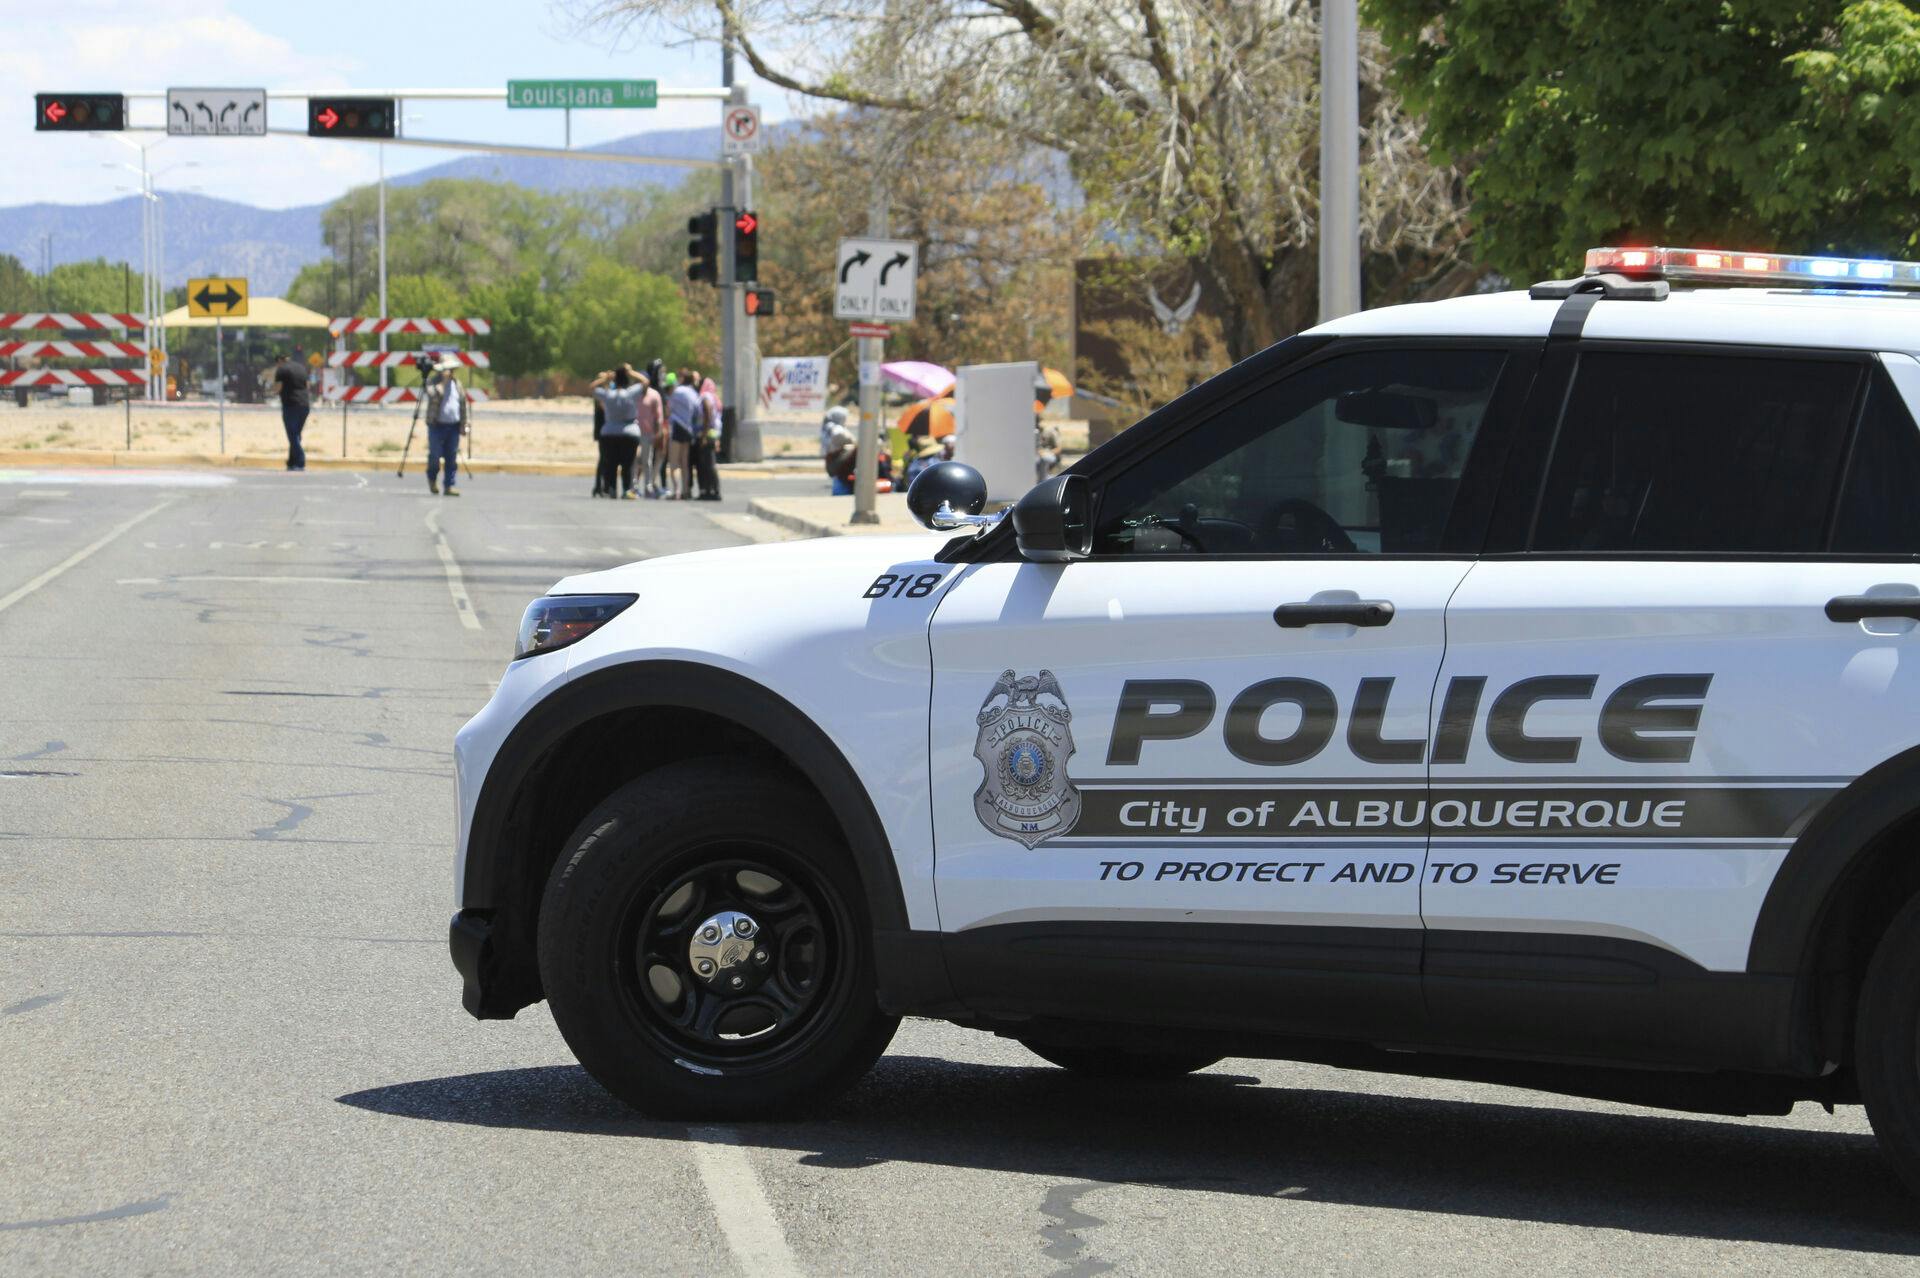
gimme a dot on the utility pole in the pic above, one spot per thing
(1339, 159)
(383, 246)
(727, 291)
(870, 351)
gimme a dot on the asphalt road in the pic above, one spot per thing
(231, 1041)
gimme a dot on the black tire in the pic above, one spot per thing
(615, 932)
(1110, 1062)
(1887, 1043)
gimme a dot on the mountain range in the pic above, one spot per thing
(208, 236)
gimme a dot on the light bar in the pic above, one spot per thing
(1723, 266)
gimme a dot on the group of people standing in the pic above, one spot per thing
(653, 446)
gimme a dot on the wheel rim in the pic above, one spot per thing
(732, 957)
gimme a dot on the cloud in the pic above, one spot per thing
(100, 44)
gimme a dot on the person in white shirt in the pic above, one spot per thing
(447, 413)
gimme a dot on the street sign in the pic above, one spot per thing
(874, 280)
(234, 113)
(740, 130)
(157, 358)
(579, 95)
(879, 331)
(217, 297)
(314, 360)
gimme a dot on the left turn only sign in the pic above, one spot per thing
(233, 113)
(217, 297)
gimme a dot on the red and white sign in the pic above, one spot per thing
(69, 319)
(403, 359)
(73, 350)
(75, 377)
(740, 130)
(880, 331)
(371, 324)
(796, 385)
(388, 395)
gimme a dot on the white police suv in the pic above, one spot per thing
(1521, 688)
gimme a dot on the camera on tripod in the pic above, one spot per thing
(423, 363)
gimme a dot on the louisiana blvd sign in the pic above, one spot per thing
(583, 94)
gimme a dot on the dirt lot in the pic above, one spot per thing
(503, 430)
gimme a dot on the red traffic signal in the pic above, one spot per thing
(350, 117)
(758, 302)
(746, 247)
(79, 112)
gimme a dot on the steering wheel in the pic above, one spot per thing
(1300, 527)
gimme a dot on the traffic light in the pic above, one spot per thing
(349, 117)
(703, 250)
(746, 247)
(78, 112)
(759, 302)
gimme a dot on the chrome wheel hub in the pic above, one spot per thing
(726, 952)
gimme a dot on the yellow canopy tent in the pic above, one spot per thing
(262, 312)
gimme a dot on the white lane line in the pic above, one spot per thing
(168, 581)
(83, 554)
(455, 582)
(740, 1205)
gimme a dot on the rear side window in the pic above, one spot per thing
(1880, 505)
(1713, 454)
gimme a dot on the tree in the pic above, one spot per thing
(615, 314)
(527, 324)
(1191, 126)
(996, 244)
(1764, 124)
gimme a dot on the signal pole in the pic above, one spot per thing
(1339, 159)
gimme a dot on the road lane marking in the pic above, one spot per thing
(171, 581)
(83, 554)
(456, 583)
(740, 1205)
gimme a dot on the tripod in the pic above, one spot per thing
(410, 427)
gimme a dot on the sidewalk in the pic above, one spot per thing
(827, 516)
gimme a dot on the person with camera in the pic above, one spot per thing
(448, 413)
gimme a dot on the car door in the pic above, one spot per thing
(1192, 765)
(1647, 703)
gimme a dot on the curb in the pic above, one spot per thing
(792, 522)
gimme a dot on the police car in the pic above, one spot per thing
(1520, 688)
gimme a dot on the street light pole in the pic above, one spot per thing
(1339, 159)
(383, 254)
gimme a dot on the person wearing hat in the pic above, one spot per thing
(929, 452)
(447, 413)
(836, 419)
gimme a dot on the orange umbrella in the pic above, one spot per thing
(927, 417)
(1062, 388)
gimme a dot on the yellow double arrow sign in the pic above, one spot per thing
(217, 297)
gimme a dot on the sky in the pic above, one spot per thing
(342, 45)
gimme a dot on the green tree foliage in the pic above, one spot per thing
(1769, 124)
(614, 314)
(528, 324)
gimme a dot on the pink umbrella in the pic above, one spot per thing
(917, 377)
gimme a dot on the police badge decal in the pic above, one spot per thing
(1026, 737)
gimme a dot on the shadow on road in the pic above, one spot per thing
(1220, 1132)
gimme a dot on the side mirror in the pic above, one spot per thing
(1053, 523)
(948, 495)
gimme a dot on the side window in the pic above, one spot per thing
(1696, 453)
(1360, 454)
(1880, 504)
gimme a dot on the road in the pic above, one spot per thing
(231, 1040)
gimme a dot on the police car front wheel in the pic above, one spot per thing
(1107, 1062)
(704, 948)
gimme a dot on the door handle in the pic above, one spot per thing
(1363, 612)
(1862, 607)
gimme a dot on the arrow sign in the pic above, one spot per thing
(866, 291)
(218, 297)
(229, 113)
(56, 112)
(328, 117)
